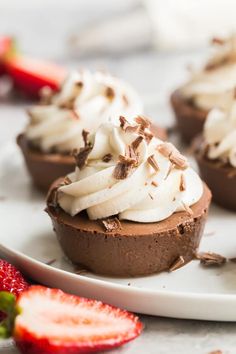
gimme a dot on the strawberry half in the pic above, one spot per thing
(31, 75)
(51, 321)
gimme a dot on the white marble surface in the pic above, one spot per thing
(154, 75)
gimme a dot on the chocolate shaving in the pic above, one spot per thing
(125, 99)
(109, 93)
(135, 144)
(182, 186)
(143, 122)
(85, 135)
(154, 183)
(74, 114)
(150, 196)
(148, 136)
(53, 202)
(211, 259)
(179, 160)
(131, 129)
(178, 263)
(152, 161)
(66, 181)
(111, 224)
(82, 156)
(123, 167)
(217, 40)
(165, 149)
(123, 122)
(107, 158)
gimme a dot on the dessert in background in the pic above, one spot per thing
(208, 88)
(133, 206)
(215, 152)
(54, 130)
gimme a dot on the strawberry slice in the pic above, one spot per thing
(6, 47)
(51, 321)
(31, 75)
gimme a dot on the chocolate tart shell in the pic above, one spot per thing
(190, 120)
(221, 179)
(45, 168)
(135, 249)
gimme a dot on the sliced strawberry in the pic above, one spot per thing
(6, 48)
(51, 321)
(31, 75)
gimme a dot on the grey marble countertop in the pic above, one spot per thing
(154, 75)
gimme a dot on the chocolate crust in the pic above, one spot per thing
(135, 248)
(45, 168)
(221, 179)
(190, 120)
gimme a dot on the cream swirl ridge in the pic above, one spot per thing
(125, 171)
(85, 101)
(213, 85)
(220, 134)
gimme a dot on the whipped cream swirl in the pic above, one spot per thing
(220, 134)
(212, 87)
(85, 101)
(125, 171)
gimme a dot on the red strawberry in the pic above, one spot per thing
(6, 47)
(11, 279)
(51, 321)
(31, 75)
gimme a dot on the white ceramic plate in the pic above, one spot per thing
(193, 292)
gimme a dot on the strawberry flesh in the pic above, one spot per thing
(51, 321)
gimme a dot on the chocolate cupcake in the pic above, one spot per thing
(132, 206)
(215, 152)
(209, 88)
(84, 102)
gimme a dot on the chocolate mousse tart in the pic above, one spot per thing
(132, 206)
(209, 88)
(215, 152)
(54, 131)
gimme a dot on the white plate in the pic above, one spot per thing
(193, 292)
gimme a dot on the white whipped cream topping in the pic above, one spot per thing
(84, 102)
(146, 195)
(220, 134)
(212, 87)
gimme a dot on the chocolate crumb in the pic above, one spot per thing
(129, 284)
(107, 158)
(182, 186)
(210, 259)
(111, 224)
(178, 263)
(152, 161)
